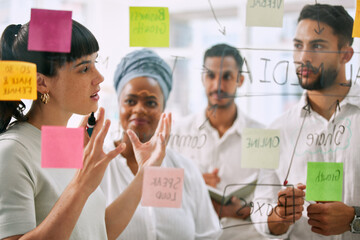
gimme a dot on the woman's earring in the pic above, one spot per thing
(45, 97)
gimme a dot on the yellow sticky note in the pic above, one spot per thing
(262, 13)
(260, 148)
(17, 80)
(149, 27)
(356, 29)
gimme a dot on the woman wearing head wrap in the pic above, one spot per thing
(143, 83)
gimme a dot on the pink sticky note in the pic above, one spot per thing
(162, 187)
(62, 147)
(50, 31)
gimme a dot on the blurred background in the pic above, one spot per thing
(193, 29)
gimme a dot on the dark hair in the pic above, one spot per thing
(224, 50)
(14, 44)
(334, 16)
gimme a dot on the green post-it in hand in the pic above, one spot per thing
(324, 181)
(149, 27)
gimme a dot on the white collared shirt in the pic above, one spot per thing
(336, 140)
(196, 219)
(194, 137)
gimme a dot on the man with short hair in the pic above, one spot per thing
(212, 138)
(322, 127)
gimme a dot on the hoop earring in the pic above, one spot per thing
(45, 97)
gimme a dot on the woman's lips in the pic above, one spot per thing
(139, 121)
(95, 97)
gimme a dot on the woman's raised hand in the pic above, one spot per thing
(95, 161)
(152, 152)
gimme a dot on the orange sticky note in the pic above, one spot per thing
(162, 187)
(17, 80)
(356, 29)
(62, 147)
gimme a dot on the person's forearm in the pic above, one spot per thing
(60, 222)
(119, 213)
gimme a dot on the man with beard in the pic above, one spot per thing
(322, 127)
(212, 138)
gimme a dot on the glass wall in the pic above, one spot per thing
(271, 89)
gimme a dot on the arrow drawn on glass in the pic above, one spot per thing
(319, 30)
(221, 29)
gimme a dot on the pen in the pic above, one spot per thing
(307, 109)
(90, 124)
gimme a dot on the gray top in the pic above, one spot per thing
(28, 192)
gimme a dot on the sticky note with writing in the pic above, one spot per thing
(162, 187)
(324, 181)
(149, 27)
(262, 13)
(17, 80)
(356, 28)
(50, 31)
(62, 147)
(260, 148)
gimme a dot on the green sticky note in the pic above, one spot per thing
(262, 13)
(260, 148)
(149, 27)
(324, 181)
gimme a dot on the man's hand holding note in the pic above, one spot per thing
(288, 210)
(329, 216)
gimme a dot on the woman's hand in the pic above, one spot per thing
(152, 152)
(95, 161)
(60, 222)
(83, 124)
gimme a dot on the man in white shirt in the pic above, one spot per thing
(212, 138)
(322, 127)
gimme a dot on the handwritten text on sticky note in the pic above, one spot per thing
(162, 187)
(260, 148)
(356, 28)
(62, 147)
(50, 31)
(149, 27)
(324, 181)
(17, 80)
(262, 13)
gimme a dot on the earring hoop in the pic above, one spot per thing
(45, 97)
